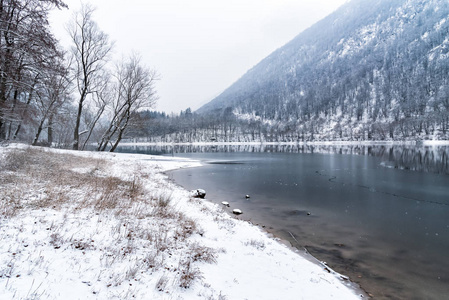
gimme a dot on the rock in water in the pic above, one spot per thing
(225, 203)
(237, 212)
(199, 193)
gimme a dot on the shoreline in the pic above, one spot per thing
(227, 258)
(314, 143)
(304, 253)
(271, 234)
(361, 257)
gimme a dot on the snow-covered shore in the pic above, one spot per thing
(158, 244)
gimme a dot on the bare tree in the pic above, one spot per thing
(134, 90)
(24, 109)
(90, 50)
(51, 97)
(100, 100)
(26, 48)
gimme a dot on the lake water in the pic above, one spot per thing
(378, 214)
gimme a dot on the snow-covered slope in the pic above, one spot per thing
(372, 68)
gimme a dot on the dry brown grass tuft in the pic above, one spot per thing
(10, 203)
(258, 244)
(188, 273)
(111, 192)
(200, 253)
(18, 160)
(187, 227)
(161, 284)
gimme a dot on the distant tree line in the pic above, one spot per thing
(216, 126)
(72, 98)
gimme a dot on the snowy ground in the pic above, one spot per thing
(83, 225)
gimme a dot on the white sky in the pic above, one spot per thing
(200, 47)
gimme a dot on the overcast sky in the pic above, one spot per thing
(200, 47)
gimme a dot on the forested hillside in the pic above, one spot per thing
(374, 69)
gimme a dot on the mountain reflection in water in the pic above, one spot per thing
(425, 158)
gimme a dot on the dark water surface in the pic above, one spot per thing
(379, 214)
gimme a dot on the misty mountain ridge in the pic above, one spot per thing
(373, 69)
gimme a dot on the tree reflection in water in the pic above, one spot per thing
(408, 157)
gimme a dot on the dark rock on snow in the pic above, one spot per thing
(199, 193)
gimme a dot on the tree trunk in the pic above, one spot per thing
(121, 130)
(50, 130)
(38, 133)
(2, 107)
(13, 108)
(91, 128)
(117, 141)
(23, 114)
(76, 135)
(3, 84)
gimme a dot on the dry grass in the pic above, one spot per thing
(202, 253)
(188, 273)
(10, 203)
(144, 226)
(162, 283)
(256, 244)
(54, 174)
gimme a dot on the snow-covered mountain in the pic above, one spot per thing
(374, 69)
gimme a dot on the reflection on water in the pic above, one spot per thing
(377, 213)
(426, 159)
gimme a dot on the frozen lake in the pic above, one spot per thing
(379, 214)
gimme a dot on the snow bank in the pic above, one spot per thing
(61, 253)
(435, 142)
